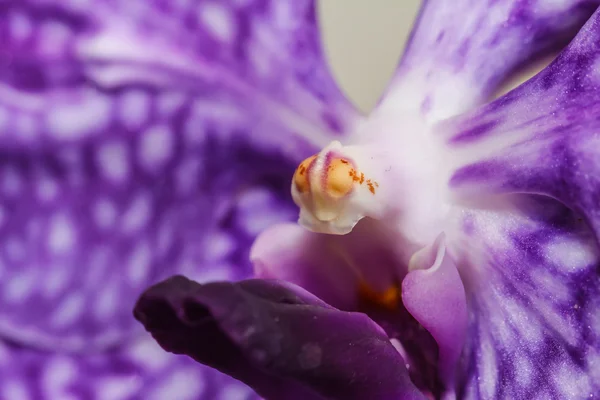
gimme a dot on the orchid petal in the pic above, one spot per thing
(434, 294)
(137, 140)
(530, 269)
(460, 52)
(541, 138)
(142, 370)
(358, 271)
(276, 337)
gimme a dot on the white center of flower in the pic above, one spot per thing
(390, 172)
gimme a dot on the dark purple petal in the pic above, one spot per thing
(461, 50)
(142, 370)
(141, 139)
(279, 339)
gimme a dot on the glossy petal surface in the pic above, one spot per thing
(276, 337)
(461, 51)
(135, 132)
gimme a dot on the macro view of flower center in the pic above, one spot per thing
(190, 207)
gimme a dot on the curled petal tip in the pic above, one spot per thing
(434, 294)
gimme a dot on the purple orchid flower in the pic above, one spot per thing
(445, 250)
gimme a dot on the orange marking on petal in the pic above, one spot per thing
(388, 299)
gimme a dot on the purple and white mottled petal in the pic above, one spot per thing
(541, 138)
(141, 371)
(141, 139)
(530, 269)
(461, 51)
(278, 338)
(523, 171)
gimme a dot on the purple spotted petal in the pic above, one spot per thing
(530, 268)
(140, 371)
(525, 170)
(276, 337)
(461, 50)
(141, 139)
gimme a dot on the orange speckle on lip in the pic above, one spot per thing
(372, 185)
(388, 299)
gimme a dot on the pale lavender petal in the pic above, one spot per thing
(461, 51)
(140, 139)
(434, 294)
(541, 138)
(140, 371)
(332, 267)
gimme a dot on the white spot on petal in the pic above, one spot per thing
(87, 115)
(61, 236)
(138, 266)
(59, 372)
(137, 215)
(19, 287)
(218, 21)
(571, 254)
(14, 390)
(489, 369)
(113, 161)
(218, 246)
(156, 147)
(523, 370)
(148, 354)
(20, 26)
(47, 188)
(119, 388)
(572, 382)
(169, 103)
(234, 392)
(69, 310)
(107, 302)
(182, 384)
(134, 108)
(105, 213)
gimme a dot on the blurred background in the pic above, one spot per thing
(364, 40)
